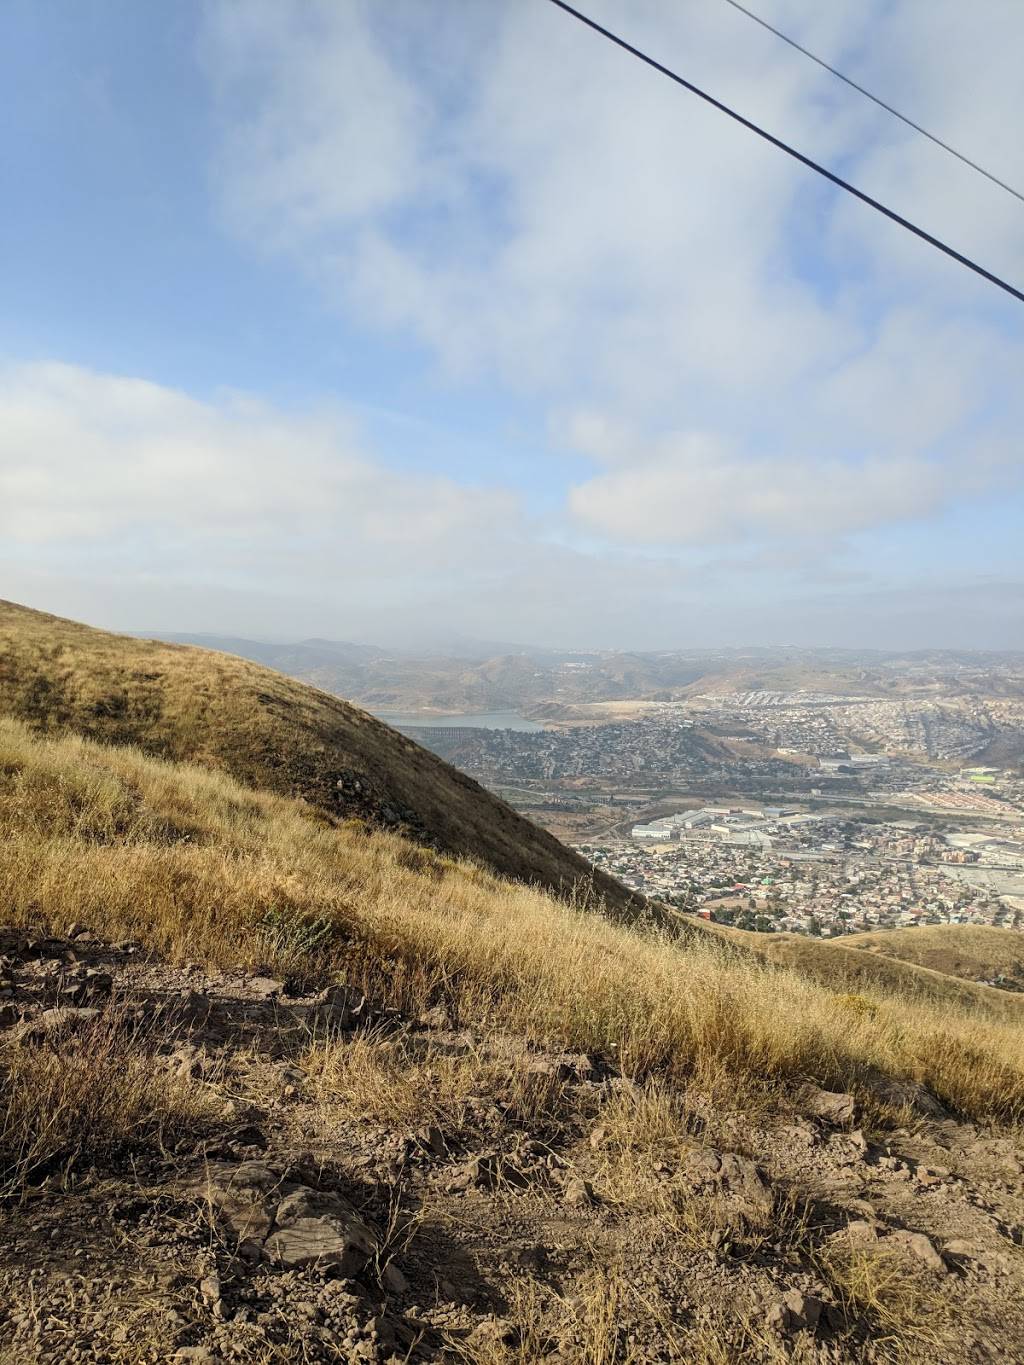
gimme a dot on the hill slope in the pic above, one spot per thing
(270, 732)
(855, 970)
(972, 952)
(495, 1105)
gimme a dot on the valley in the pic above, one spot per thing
(840, 793)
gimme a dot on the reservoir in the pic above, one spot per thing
(478, 720)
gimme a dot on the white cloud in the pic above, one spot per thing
(692, 491)
(532, 203)
(220, 488)
(333, 133)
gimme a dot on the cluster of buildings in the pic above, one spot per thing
(820, 725)
(731, 825)
(821, 814)
(778, 870)
(646, 751)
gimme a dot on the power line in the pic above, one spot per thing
(792, 151)
(880, 102)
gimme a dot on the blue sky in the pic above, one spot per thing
(373, 321)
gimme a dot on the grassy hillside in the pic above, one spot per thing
(196, 866)
(856, 970)
(973, 952)
(528, 1132)
(269, 732)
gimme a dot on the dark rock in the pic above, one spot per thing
(93, 985)
(341, 1007)
(831, 1106)
(192, 1007)
(393, 1280)
(432, 1140)
(794, 1312)
(906, 1094)
(56, 1023)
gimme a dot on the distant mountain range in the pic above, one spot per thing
(490, 676)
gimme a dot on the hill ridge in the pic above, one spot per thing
(271, 732)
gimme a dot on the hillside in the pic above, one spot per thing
(843, 965)
(270, 732)
(972, 952)
(280, 1088)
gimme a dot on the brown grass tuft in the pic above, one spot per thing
(91, 1098)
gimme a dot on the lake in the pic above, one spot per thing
(478, 720)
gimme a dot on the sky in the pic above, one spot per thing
(403, 321)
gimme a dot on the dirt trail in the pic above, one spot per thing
(365, 1187)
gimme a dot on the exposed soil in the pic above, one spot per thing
(295, 1227)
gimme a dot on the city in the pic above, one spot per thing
(810, 813)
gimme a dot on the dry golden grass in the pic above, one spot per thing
(391, 1082)
(199, 867)
(592, 1322)
(857, 970)
(904, 1303)
(585, 1327)
(269, 732)
(975, 952)
(91, 1099)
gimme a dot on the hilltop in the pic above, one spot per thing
(857, 966)
(273, 733)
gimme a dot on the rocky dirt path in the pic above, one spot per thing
(363, 1187)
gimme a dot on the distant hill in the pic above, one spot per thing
(183, 703)
(490, 676)
(851, 965)
(972, 952)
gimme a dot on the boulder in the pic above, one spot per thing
(340, 1007)
(431, 1140)
(54, 1024)
(833, 1107)
(904, 1094)
(393, 1280)
(794, 1312)
(964, 1255)
(328, 1241)
(734, 1174)
(286, 1222)
(920, 1247)
(578, 1193)
(92, 986)
(265, 987)
(481, 1170)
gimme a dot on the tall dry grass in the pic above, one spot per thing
(198, 867)
(91, 1098)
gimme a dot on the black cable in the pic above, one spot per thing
(791, 151)
(881, 103)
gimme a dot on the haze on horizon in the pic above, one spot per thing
(437, 320)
